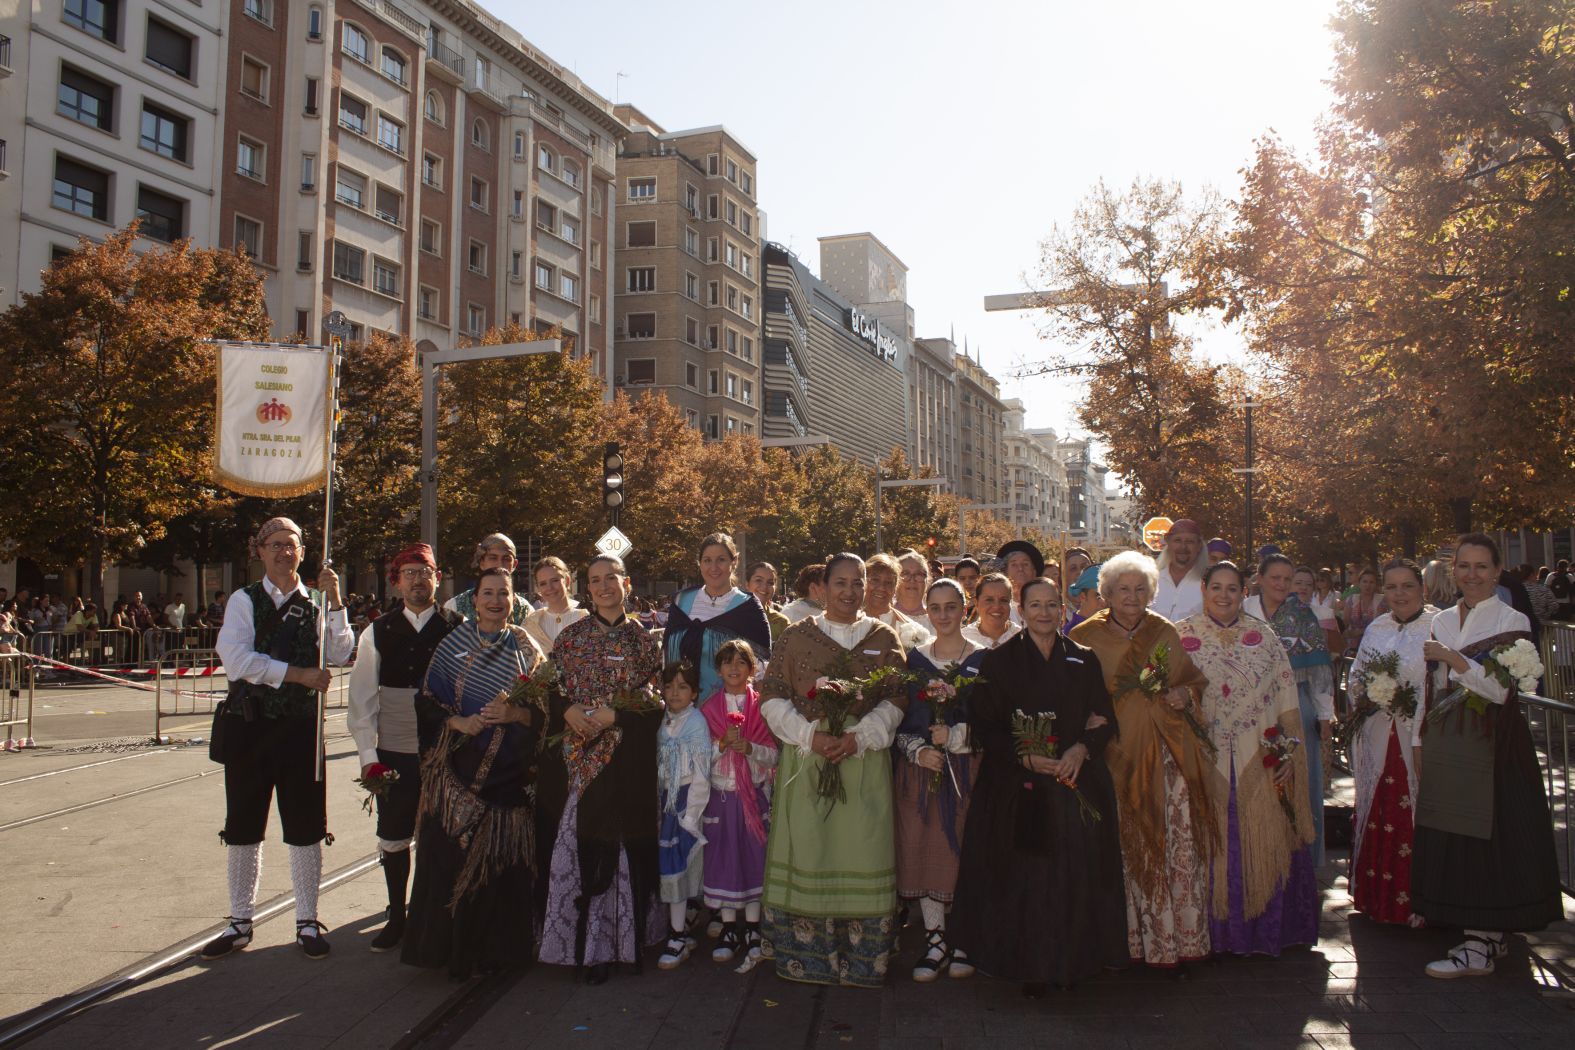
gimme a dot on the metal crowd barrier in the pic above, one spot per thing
(1558, 661)
(16, 698)
(1550, 732)
(196, 684)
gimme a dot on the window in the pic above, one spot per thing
(713, 166)
(431, 237)
(517, 209)
(732, 172)
(546, 216)
(749, 349)
(732, 341)
(747, 181)
(86, 100)
(596, 201)
(569, 287)
(350, 188)
(692, 199)
(478, 134)
(391, 135)
(432, 171)
(749, 223)
(715, 381)
(478, 193)
(642, 372)
(642, 326)
(355, 42)
(250, 158)
(303, 323)
(596, 255)
(389, 205)
(163, 132)
(642, 278)
(641, 190)
(262, 10)
(254, 78)
(303, 251)
(570, 172)
(747, 307)
(746, 263)
(732, 425)
(691, 375)
(248, 235)
(546, 160)
(713, 249)
(732, 214)
(477, 260)
(594, 308)
(731, 255)
(352, 113)
(545, 275)
(385, 277)
(310, 105)
(394, 66)
(475, 319)
(98, 17)
(314, 23)
(169, 48)
(642, 234)
(692, 286)
(732, 298)
(713, 207)
(712, 333)
(163, 217)
(349, 263)
(569, 230)
(692, 335)
(427, 303)
(433, 108)
(692, 241)
(732, 385)
(747, 392)
(713, 293)
(308, 171)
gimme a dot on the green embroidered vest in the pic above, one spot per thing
(289, 700)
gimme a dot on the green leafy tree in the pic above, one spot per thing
(110, 371)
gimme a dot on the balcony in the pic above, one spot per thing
(5, 55)
(446, 60)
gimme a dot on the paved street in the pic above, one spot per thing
(138, 869)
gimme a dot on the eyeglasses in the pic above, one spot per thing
(281, 548)
(423, 572)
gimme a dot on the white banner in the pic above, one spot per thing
(271, 436)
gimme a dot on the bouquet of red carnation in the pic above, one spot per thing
(535, 689)
(1277, 750)
(943, 691)
(375, 782)
(1035, 735)
(837, 698)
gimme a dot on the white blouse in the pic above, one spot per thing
(1387, 635)
(761, 759)
(874, 732)
(1483, 620)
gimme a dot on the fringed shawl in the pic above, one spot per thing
(684, 752)
(805, 653)
(1251, 687)
(754, 730)
(1148, 728)
(698, 640)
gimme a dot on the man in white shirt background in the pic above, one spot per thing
(1180, 590)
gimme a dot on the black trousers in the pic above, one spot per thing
(274, 756)
(396, 807)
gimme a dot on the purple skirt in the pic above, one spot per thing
(1291, 917)
(735, 862)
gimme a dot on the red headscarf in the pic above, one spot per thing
(415, 554)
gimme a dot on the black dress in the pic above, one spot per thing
(471, 900)
(1040, 896)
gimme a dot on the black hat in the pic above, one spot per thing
(1024, 547)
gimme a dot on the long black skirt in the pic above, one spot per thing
(1509, 882)
(1040, 894)
(489, 930)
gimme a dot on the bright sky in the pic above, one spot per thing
(959, 133)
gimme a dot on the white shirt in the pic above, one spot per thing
(543, 625)
(874, 732)
(761, 759)
(238, 638)
(984, 641)
(1487, 618)
(1177, 601)
(801, 609)
(365, 696)
(175, 613)
(706, 607)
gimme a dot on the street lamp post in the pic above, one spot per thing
(882, 483)
(429, 404)
(1249, 471)
(962, 521)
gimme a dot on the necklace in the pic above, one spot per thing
(481, 637)
(1233, 623)
(1130, 631)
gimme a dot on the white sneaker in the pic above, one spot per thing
(1473, 957)
(674, 952)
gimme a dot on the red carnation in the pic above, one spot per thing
(377, 769)
(1052, 739)
(1271, 733)
(524, 678)
(735, 718)
(1271, 761)
(811, 694)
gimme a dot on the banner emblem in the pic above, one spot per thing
(272, 419)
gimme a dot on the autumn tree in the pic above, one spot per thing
(377, 473)
(1124, 275)
(818, 501)
(518, 451)
(111, 382)
(1410, 287)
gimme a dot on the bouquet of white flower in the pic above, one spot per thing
(1520, 661)
(911, 635)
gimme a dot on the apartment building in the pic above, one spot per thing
(688, 302)
(1036, 487)
(980, 423)
(420, 167)
(1088, 510)
(932, 408)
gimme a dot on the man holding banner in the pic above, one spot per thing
(276, 412)
(268, 738)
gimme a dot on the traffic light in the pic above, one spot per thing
(930, 543)
(612, 481)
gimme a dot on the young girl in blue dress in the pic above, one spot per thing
(683, 770)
